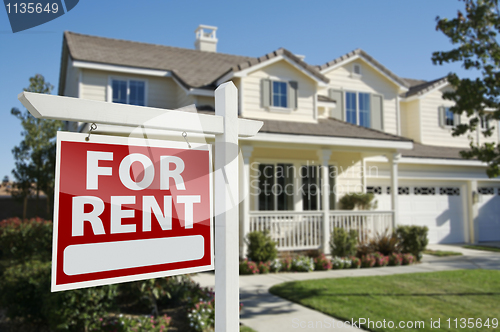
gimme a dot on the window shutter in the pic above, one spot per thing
(266, 92)
(456, 119)
(338, 96)
(293, 89)
(441, 111)
(377, 112)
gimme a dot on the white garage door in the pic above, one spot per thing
(488, 220)
(440, 208)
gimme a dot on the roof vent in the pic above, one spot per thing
(300, 56)
(205, 38)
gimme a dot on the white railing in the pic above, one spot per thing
(291, 230)
(304, 230)
(367, 223)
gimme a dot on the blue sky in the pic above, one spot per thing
(399, 34)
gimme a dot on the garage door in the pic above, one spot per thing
(488, 220)
(440, 208)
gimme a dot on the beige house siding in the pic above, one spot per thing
(183, 98)
(161, 91)
(280, 71)
(371, 81)
(71, 87)
(433, 134)
(203, 100)
(410, 120)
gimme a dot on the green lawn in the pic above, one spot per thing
(485, 248)
(402, 298)
(246, 329)
(442, 253)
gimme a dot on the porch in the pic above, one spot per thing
(304, 209)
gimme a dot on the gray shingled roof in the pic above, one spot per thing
(431, 151)
(192, 67)
(327, 127)
(424, 87)
(362, 53)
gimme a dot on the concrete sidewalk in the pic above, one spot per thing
(265, 312)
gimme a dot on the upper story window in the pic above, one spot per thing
(278, 95)
(356, 70)
(132, 92)
(485, 124)
(359, 108)
(447, 118)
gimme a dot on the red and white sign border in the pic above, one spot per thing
(132, 141)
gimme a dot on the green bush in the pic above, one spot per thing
(25, 294)
(22, 240)
(261, 248)
(343, 243)
(413, 239)
(362, 201)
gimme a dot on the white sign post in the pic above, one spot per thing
(226, 127)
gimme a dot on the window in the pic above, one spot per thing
(276, 187)
(280, 94)
(356, 70)
(357, 108)
(132, 92)
(449, 117)
(485, 124)
(310, 188)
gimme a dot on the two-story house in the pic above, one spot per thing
(372, 130)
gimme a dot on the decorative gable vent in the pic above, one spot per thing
(356, 69)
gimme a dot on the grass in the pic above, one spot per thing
(442, 253)
(485, 248)
(246, 329)
(402, 298)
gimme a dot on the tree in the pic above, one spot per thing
(475, 35)
(35, 155)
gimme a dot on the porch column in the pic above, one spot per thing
(394, 160)
(246, 152)
(472, 207)
(324, 156)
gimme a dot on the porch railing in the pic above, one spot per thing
(304, 230)
(291, 230)
(367, 223)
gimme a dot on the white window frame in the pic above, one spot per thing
(357, 93)
(447, 109)
(109, 92)
(280, 108)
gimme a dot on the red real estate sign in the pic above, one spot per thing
(128, 209)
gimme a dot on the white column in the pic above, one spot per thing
(226, 211)
(394, 160)
(246, 151)
(324, 156)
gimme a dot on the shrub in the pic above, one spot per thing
(261, 248)
(25, 293)
(408, 259)
(22, 240)
(395, 259)
(347, 262)
(248, 267)
(321, 263)
(381, 260)
(387, 243)
(286, 264)
(302, 264)
(343, 243)
(368, 261)
(413, 239)
(365, 248)
(361, 201)
(127, 323)
(264, 267)
(202, 315)
(275, 265)
(355, 262)
(337, 263)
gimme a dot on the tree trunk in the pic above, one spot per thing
(25, 206)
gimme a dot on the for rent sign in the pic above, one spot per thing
(130, 209)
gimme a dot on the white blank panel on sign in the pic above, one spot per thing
(107, 256)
